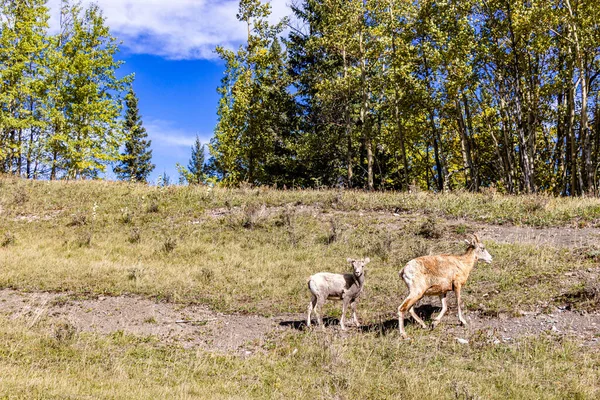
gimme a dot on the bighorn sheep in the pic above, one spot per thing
(437, 275)
(345, 287)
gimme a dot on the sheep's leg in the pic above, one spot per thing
(416, 317)
(344, 308)
(460, 316)
(312, 305)
(318, 308)
(437, 319)
(404, 307)
(354, 317)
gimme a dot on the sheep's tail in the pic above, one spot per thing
(401, 271)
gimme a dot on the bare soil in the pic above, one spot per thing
(198, 326)
(190, 326)
(555, 237)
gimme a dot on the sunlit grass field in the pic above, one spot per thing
(251, 251)
(36, 364)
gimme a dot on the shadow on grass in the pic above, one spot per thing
(301, 325)
(383, 327)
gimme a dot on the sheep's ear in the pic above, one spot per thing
(467, 241)
(349, 260)
(367, 260)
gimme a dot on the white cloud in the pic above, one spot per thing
(176, 29)
(164, 135)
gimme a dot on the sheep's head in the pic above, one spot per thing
(480, 251)
(358, 265)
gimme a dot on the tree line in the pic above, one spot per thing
(61, 101)
(385, 94)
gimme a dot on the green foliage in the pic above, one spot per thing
(60, 98)
(135, 163)
(196, 171)
(423, 95)
(253, 137)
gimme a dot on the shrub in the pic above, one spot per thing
(8, 239)
(431, 229)
(152, 207)
(332, 237)
(169, 245)
(134, 235)
(64, 333)
(78, 220)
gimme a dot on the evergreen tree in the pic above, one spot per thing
(196, 171)
(196, 164)
(135, 164)
(163, 180)
(250, 113)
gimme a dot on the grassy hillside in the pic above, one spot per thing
(250, 251)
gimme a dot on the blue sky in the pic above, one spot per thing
(169, 45)
(178, 100)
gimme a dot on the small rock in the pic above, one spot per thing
(462, 341)
(295, 351)
(554, 329)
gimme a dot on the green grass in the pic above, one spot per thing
(20, 197)
(251, 251)
(251, 260)
(38, 363)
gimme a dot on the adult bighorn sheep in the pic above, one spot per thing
(436, 276)
(345, 287)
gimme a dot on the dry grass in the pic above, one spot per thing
(38, 363)
(247, 259)
(251, 250)
(34, 198)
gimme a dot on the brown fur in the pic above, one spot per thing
(436, 276)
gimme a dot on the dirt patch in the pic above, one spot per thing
(189, 326)
(557, 237)
(581, 326)
(198, 326)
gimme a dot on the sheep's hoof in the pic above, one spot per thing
(434, 324)
(463, 323)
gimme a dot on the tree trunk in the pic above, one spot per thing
(436, 153)
(465, 149)
(347, 123)
(364, 106)
(397, 107)
(472, 149)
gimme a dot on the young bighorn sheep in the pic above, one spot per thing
(436, 276)
(345, 287)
